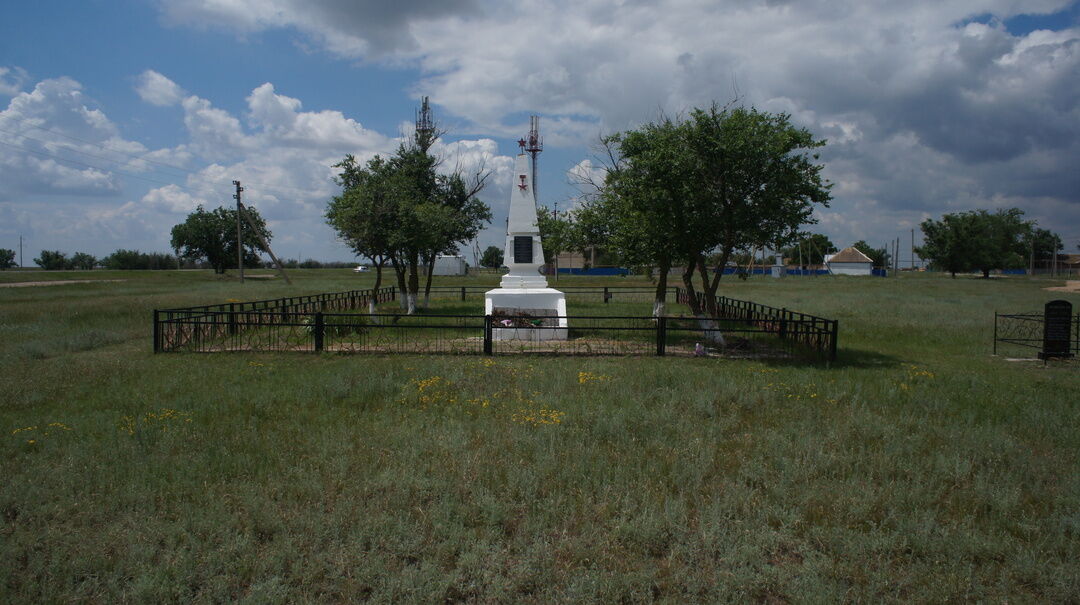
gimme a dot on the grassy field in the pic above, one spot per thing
(916, 468)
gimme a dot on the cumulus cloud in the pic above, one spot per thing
(156, 89)
(12, 80)
(51, 142)
(927, 107)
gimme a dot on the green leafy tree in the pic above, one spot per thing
(7, 259)
(975, 240)
(811, 248)
(1044, 245)
(83, 261)
(880, 256)
(402, 209)
(212, 235)
(643, 208)
(492, 258)
(53, 260)
(365, 214)
(127, 260)
(558, 234)
(678, 191)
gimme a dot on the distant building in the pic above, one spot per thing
(849, 261)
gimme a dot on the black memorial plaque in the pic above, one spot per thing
(523, 249)
(1057, 329)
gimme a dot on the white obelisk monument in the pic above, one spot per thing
(523, 297)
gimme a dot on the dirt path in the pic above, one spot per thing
(1072, 285)
(59, 282)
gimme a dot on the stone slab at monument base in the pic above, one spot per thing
(531, 302)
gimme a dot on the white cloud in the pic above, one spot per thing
(12, 80)
(892, 85)
(156, 89)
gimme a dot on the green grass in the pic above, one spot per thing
(916, 468)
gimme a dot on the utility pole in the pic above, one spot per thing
(265, 244)
(912, 249)
(20, 252)
(1031, 269)
(239, 237)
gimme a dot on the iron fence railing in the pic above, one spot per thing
(173, 328)
(1026, 330)
(605, 293)
(225, 331)
(817, 333)
(323, 323)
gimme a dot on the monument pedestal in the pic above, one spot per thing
(526, 303)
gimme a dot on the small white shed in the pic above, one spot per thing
(849, 261)
(449, 265)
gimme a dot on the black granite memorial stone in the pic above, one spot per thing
(523, 249)
(1057, 329)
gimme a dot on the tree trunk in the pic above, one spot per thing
(986, 273)
(427, 285)
(414, 285)
(691, 293)
(706, 313)
(403, 290)
(378, 283)
(660, 299)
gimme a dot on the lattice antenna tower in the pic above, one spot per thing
(534, 144)
(426, 130)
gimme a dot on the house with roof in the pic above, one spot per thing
(849, 261)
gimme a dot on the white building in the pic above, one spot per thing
(849, 261)
(449, 265)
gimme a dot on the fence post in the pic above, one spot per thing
(783, 322)
(661, 335)
(832, 345)
(995, 332)
(232, 319)
(318, 331)
(605, 294)
(462, 292)
(157, 332)
(487, 335)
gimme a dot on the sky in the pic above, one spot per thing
(119, 117)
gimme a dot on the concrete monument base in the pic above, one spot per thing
(530, 302)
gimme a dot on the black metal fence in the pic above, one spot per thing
(320, 323)
(1025, 330)
(194, 328)
(816, 333)
(605, 293)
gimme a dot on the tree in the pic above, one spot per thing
(879, 256)
(364, 215)
(84, 261)
(678, 191)
(401, 209)
(975, 240)
(53, 260)
(492, 258)
(7, 258)
(1044, 245)
(810, 248)
(212, 235)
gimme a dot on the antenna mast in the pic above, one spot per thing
(425, 126)
(534, 145)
